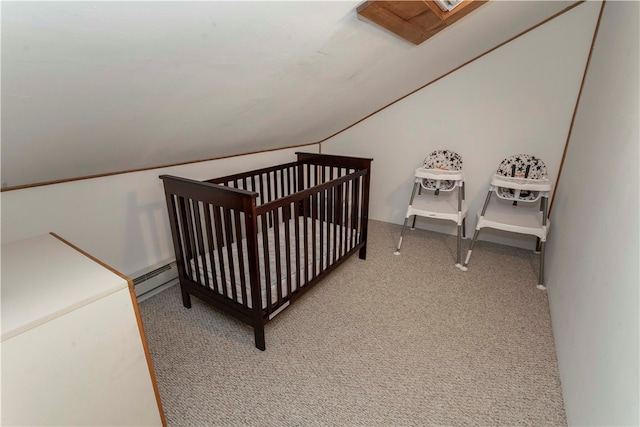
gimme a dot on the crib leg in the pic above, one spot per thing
(363, 252)
(258, 332)
(186, 299)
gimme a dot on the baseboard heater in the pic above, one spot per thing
(155, 279)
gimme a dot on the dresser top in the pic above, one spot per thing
(43, 278)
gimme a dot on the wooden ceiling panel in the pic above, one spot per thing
(384, 17)
(404, 9)
(415, 21)
(428, 22)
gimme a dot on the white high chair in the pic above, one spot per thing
(438, 192)
(520, 182)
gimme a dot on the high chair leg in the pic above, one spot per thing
(477, 231)
(413, 195)
(404, 226)
(473, 242)
(541, 285)
(459, 248)
(543, 208)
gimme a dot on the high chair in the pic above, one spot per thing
(438, 192)
(520, 182)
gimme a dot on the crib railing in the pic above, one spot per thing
(206, 220)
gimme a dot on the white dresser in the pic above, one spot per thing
(73, 347)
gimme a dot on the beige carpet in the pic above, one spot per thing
(403, 340)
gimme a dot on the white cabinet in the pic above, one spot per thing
(73, 348)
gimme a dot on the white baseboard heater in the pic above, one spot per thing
(154, 279)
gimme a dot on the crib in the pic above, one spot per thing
(252, 243)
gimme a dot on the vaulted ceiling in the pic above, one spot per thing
(92, 88)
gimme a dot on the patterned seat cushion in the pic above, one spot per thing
(442, 160)
(523, 166)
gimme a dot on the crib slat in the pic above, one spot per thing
(330, 229)
(177, 232)
(330, 202)
(254, 188)
(356, 207)
(269, 198)
(188, 214)
(331, 234)
(296, 227)
(327, 226)
(343, 219)
(274, 185)
(200, 242)
(184, 220)
(281, 180)
(287, 239)
(267, 272)
(241, 257)
(305, 231)
(212, 245)
(350, 215)
(339, 221)
(278, 255)
(288, 175)
(314, 243)
(336, 224)
(261, 193)
(219, 248)
(297, 184)
(323, 216)
(228, 233)
(343, 211)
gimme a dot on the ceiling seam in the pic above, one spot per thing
(102, 175)
(575, 109)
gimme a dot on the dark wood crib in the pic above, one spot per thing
(253, 242)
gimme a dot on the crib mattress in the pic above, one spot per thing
(322, 260)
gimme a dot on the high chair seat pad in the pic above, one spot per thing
(445, 160)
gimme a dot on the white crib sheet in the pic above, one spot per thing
(328, 230)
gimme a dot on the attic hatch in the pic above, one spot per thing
(416, 20)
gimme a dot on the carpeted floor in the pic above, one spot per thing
(403, 340)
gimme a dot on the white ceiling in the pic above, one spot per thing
(99, 87)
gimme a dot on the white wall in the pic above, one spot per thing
(120, 219)
(593, 273)
(517, 99)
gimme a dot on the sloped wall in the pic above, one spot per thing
(120, 219)
(593, 273)
(92, 88)
(517, 99)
